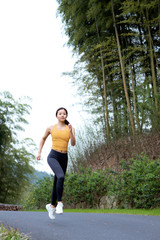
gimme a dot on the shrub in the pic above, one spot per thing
(9, 233)
(40, 193)
(85, 187)
(138, 185)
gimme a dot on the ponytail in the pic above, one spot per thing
(66, 122)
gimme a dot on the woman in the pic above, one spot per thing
(57, 159)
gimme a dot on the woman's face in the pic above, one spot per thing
(61, 115)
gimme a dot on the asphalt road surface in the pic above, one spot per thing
(83, 226)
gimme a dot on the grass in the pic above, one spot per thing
(9, 233)
(148, 212)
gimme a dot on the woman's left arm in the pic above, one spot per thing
(72, 133)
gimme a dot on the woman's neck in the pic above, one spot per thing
(61, 124)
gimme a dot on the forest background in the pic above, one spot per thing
(118, 77)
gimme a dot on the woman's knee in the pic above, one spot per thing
(60, 178)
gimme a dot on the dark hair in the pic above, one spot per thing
(62, 108)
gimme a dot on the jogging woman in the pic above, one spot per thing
(57, 159)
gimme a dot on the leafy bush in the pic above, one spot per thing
(9, 233)
(40, 194)
(138, 185)
(85, 188)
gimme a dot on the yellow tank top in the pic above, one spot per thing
(60, 138)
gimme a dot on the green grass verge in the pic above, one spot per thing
(149, 212)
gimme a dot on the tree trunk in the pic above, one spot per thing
(134, 97)
(151, 53)
(104, 86)
(153, 70)
(123, 72)
(159, 15)
(115, 113)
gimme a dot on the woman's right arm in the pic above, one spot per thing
(47, 132)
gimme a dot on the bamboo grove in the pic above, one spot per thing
(118, 70)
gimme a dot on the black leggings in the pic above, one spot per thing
(58, 163)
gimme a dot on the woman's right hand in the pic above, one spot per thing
(39, 156)
(47, 132)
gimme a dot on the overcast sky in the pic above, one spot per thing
(32, 59)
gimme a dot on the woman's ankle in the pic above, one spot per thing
(52, 206)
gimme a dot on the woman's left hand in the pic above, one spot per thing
(72, 132)
(70, 128)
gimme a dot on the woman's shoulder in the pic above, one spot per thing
(50, 128)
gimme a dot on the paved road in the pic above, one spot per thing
(84, 226)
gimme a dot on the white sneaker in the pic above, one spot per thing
(59, 208)
(51, 211)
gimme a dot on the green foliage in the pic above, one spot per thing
(91, 30)
(15, 158)
(9, 233)
(40, 194)
(146, 212)
(85, 187)
(138, 185)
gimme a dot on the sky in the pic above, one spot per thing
(33, 56)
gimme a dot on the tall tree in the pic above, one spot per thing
(15, 157)
(118, 43)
